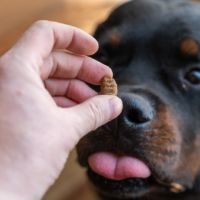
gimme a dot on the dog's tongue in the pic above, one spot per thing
(117, 168)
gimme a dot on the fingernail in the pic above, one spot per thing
(115, 105)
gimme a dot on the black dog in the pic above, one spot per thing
(152, 150)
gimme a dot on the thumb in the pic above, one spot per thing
(92, 114)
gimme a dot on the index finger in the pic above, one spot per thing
(44, 36)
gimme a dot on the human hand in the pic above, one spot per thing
(46, 107)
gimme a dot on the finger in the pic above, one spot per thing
(43, 36)
(72, 88)
(90, 115)
(64, 102)
(64, 65)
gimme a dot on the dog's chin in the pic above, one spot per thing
(127, 188)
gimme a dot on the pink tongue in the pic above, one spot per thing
(117, 168)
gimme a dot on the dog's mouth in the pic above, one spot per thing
(124, 176)
(119, 176)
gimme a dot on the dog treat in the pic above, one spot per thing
(108, 86)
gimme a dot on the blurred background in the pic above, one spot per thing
(15, 17)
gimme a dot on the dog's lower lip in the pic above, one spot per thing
(116, 167)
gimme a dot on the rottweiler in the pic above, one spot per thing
(152, 150)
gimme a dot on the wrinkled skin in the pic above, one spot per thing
(141, 42)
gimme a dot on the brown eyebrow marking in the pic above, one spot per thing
(189, 47)
(114, 39)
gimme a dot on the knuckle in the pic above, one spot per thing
(41, 23)
(97, 114)
(42, 27)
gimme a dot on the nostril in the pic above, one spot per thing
(137, 110)
(137, 116)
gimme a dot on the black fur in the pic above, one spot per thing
(160, 122)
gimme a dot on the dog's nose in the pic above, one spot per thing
(137, 112)
(137, 109)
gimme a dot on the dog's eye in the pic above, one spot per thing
(193, 76)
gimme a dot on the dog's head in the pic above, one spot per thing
(153, 48)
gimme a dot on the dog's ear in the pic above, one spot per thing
(189, 47)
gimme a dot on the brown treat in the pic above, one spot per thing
(108, 86)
